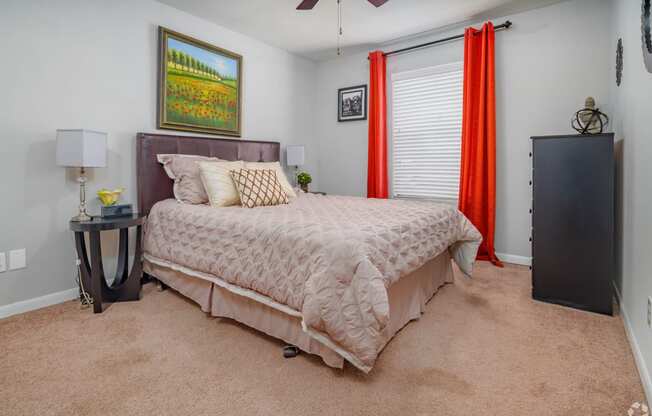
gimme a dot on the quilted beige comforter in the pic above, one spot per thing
(327, 259)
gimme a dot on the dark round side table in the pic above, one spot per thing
(127, 284)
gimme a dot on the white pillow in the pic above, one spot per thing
(280, 174)
(217, 180)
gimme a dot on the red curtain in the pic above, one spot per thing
(377, 163)
(477, 199)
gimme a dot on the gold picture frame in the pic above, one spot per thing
(200, 86)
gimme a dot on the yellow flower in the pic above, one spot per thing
(108, 197)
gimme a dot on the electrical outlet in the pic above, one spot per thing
(3, 262)
(17, 259)
(649, 312)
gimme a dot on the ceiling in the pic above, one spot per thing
(313, 34)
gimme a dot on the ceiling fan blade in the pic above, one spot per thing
(377, 3)
(307, 4)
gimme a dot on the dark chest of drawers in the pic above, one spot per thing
(573, 220)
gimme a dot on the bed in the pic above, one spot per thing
(336, 276)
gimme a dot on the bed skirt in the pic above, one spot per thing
(407, 301)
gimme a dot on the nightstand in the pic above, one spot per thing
(127, 284)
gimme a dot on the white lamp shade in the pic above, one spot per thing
(295, 155)
(81, 148)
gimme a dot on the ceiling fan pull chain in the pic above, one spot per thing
(341, 16)
(339, 27)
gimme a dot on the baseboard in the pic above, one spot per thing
(643, 371)
(513, 259)
(38, 303)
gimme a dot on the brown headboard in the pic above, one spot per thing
(152, 181)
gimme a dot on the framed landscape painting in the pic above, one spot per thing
(352, 103)
(199, 86)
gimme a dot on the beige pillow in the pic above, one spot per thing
(259, 187)
(280, 174)
(184, 171)
(218, 183)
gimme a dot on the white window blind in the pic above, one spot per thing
(427, 132)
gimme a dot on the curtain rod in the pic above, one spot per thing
(504, 26)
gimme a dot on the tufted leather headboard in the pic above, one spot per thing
(154, 184)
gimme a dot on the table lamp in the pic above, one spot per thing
(82, 149)
(295, 156)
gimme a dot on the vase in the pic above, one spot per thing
(304, 188)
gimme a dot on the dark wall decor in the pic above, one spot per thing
(646, 33)
(352, 103)
(199, 86)
(619, 62)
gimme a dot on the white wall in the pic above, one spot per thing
(93, 64)
(632, 103)
(546, 65)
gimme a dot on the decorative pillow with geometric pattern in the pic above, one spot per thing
(258, 187)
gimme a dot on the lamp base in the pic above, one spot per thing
(81, 217)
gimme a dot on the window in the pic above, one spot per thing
(427, 132)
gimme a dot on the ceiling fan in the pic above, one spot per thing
(309, 4)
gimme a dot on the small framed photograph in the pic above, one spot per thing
(352, 103)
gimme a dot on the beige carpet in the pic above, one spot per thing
(482, 348)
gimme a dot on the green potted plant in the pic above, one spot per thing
(304, 180)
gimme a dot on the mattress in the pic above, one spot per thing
(326, 260)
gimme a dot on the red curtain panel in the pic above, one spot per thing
(377, 186)
(477, 199)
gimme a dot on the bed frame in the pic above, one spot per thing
(153, 183)
(407, 298)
